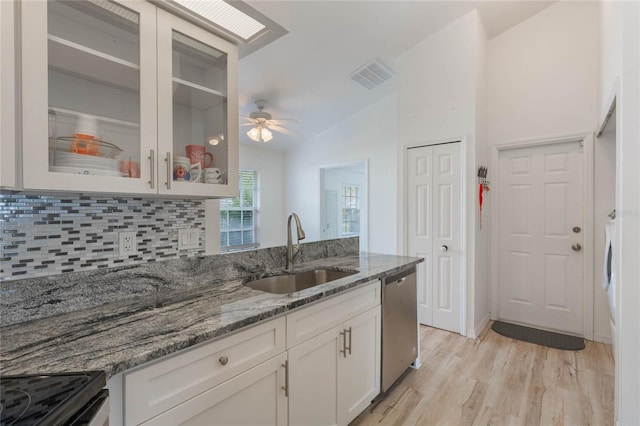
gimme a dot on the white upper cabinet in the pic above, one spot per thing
(8, 142)
(118, 95)
(198, 104)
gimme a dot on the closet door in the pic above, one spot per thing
(434, 231)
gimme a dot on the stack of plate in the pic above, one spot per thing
(69, 162)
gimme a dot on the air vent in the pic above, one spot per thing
(371, 75)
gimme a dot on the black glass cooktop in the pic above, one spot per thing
(48, 399)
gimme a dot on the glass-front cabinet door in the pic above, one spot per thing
(123, 97)
(198, 124)
(89, 96)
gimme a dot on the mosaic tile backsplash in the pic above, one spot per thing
(43, 235)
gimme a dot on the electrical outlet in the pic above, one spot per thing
(188, 239)
(127, 243)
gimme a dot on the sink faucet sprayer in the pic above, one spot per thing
(293, 249)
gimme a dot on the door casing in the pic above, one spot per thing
(587, 140)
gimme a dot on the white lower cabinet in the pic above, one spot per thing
(359, 370)
(255, 397)
(319, 365)
(169, 382)
(314, 380)
(335, 375)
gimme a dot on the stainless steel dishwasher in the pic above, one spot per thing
(399, 325)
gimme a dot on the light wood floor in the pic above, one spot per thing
(499, 381)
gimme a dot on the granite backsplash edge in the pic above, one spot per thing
(40, 297)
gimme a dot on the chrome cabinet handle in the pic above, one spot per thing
(343, 333)
(223, 360)
(349, 348)
(443, 248)
(285, 388)
(576, 247)
(168, 160)
(152, 158)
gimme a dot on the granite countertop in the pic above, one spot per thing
(117, 336)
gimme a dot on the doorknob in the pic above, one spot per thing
(443, 248)
(576, 247)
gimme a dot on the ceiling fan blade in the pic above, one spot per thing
(285, 121)
(283, 130)
(248, 124)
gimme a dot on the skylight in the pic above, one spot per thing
(225, 16)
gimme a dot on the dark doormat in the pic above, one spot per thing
(539, 337)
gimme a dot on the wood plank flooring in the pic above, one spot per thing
(499, 381)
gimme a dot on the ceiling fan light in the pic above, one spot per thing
(260, 134)
(266, 135)
(253, 134)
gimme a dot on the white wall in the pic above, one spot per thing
(543, 82)
(609, 52)
(610, 64)
(334, 179)
(437, 86)
(368, 134)
(543, 75)
(604, 179)
(619, 67)
(483, 231)
(271, 168)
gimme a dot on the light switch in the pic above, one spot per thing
(188, 238)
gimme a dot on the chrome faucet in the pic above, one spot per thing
(293, 249)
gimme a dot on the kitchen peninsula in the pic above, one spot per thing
(158, 309)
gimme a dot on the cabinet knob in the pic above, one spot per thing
(443, 248)
(223, 360)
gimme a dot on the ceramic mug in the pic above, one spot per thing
(213, 175)
(184, 171)
(130, 168)
(197, 154)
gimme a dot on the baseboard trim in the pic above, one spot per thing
(602, 339)
(475, 333)
(416, 364)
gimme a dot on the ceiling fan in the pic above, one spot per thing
(263, 124)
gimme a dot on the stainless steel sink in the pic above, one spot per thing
(290, 283)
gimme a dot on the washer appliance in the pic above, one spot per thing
(609, 275)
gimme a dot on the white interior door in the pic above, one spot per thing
(330, 228)
(540, 236)
(434, 228)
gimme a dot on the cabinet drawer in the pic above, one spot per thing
(313, 320)
(168, 382)
(253, 398)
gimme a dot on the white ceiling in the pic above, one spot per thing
(305, 74)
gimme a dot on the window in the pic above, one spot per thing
(350, 210)
(239, 216)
